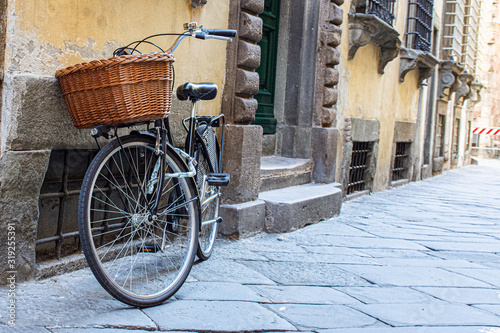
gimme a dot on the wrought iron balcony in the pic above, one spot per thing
(383, 9)
(419, 28)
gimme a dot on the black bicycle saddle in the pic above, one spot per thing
(197, 91)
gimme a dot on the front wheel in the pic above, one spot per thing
(140, 257)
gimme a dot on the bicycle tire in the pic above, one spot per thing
(117, 191)
(210, 211)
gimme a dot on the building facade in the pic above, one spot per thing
(324, 101)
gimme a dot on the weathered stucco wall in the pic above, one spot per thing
(44, 36)
(366, 94)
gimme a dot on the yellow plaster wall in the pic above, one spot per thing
(44, 36)
(373, 96)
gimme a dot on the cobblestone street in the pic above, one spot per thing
(424, 257)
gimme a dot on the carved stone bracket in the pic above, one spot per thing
(368, 28)
(475, 92)
(412, 59)
(449, 73)
(464, 89)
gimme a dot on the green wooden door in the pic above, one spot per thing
(267, 70)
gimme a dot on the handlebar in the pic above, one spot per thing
(221, 32)
(192, 30)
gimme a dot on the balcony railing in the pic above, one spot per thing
(383, 9)
(418, 36)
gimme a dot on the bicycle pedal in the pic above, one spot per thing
(151, 248)
(218, 179)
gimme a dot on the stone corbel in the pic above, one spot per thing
(464, 89)
(412, 59)
(449, 73)
(475, 92)
(367, 28)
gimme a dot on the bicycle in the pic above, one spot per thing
(140, 231)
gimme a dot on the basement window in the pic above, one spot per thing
(359, 165)
(401, 161)
(57, 233)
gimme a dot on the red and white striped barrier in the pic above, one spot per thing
(486, 130)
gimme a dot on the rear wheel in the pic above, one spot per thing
(139, 257)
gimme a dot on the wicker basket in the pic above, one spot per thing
(119, 90)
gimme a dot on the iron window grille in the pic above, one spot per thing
(359, 165)
(456, 129)
(401, 160)
(419, 29)
(58, 204)
(440, 135)
(383, 9)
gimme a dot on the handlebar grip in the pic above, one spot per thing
(222, 32)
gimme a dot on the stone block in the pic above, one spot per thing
(331, 76)
(294, 207)
(256, 6)
(324, 154)
(330, 96)
(405, 131)
(332, 56)
(35, 116)
(336, 14)
(242, 220)
(247, 82)
(250, 27)
(244, 110)
(295, 141)
(365, 129)
(248, 55)
(242, 152)
(328, 117)
(437, 164)
(21, 178)
(331, 35)
(426, 171)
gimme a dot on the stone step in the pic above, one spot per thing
(279, 172)
(294, 207)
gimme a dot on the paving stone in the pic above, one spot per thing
(334, 250)
(462, 246)
(359, 242)
(491, 276)
(493, 308)
(97, 330)
(378, 295)
(22, 329)
(428, 314)
(304, 295)
(218, 291)
(464, 295)
(382, 253)
(475, 257)
(319, 258)
(300, 273)
(440, 329)
(432, 262)
(412, 276)
(227, 271)
(216, 316)
(322, 316)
